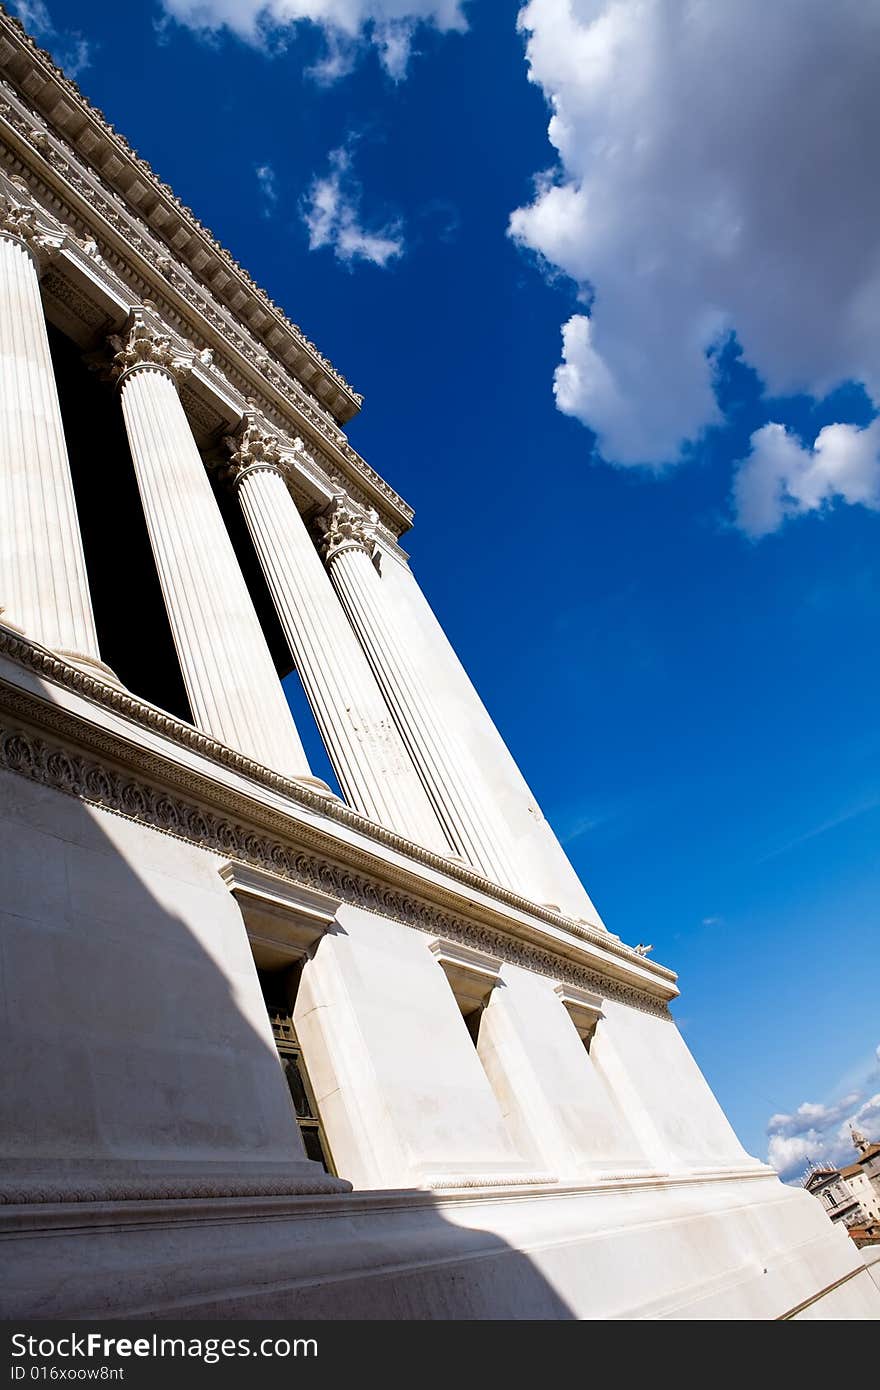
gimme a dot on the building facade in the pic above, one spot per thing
(270, 1050)
(828, 1186)
(850, 1194)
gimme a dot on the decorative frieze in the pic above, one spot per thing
(56, 287)
(100, 784)
(47, 665)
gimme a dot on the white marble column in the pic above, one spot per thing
(362, 742)
(440, 759)
(545, 872)
(234, 692)
(44, 589)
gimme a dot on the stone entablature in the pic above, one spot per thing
(110, 240)
(59, 99)
(317, 841)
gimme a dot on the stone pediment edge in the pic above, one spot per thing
(41, 64)
(94, 764)
(58, 178)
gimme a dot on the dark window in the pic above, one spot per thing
(279, 992)
(472, 1022)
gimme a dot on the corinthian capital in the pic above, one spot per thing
(341, 528)
(142, 345)
(252, 447)
(17, 220)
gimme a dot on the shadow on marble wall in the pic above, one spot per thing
(130, 1063)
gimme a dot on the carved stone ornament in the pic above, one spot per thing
(144, 346)
(52, 764)
(16, 220)
(341, 528)
(250, 448)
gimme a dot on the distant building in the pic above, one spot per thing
(850, 1195)
(828, 1187)
(863, 1177)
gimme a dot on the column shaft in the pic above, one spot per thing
(44, 588)
(233, 689)
(368, 757)
(441, 761)
(545, 872)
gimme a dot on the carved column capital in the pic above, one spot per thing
(142, 345)
(16, 220)
(250, 449)
(341, 527)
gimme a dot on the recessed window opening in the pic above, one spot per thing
(584, 1009)
(279, 994)
(472, 976)
(472, 1022)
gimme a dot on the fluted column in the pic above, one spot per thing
(234, 692)
(544, 870)
(44, 589)
(441, 761)
(371, 764)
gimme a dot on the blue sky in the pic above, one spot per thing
(665, 581)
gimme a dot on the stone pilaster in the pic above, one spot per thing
(233, 689)
(374, 770)
(440, 759)
(44, 589)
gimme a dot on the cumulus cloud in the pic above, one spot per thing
(268, 187)
(349, 26)
(715, 175)
(820, 1133)
(332, 213)
(781, 478)
(70, 49)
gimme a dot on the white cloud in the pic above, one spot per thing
(70, 49)
(716, 175)
(781, 478)
(332, 214)
(268, 187)
(34, 15)
(348, 25)
(821, 1133)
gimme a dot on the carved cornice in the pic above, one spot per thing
(342, 528)
(248, 366)
(52, 765)
(66, 771)
(143, 345)
(112, 156)
(97, 781)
